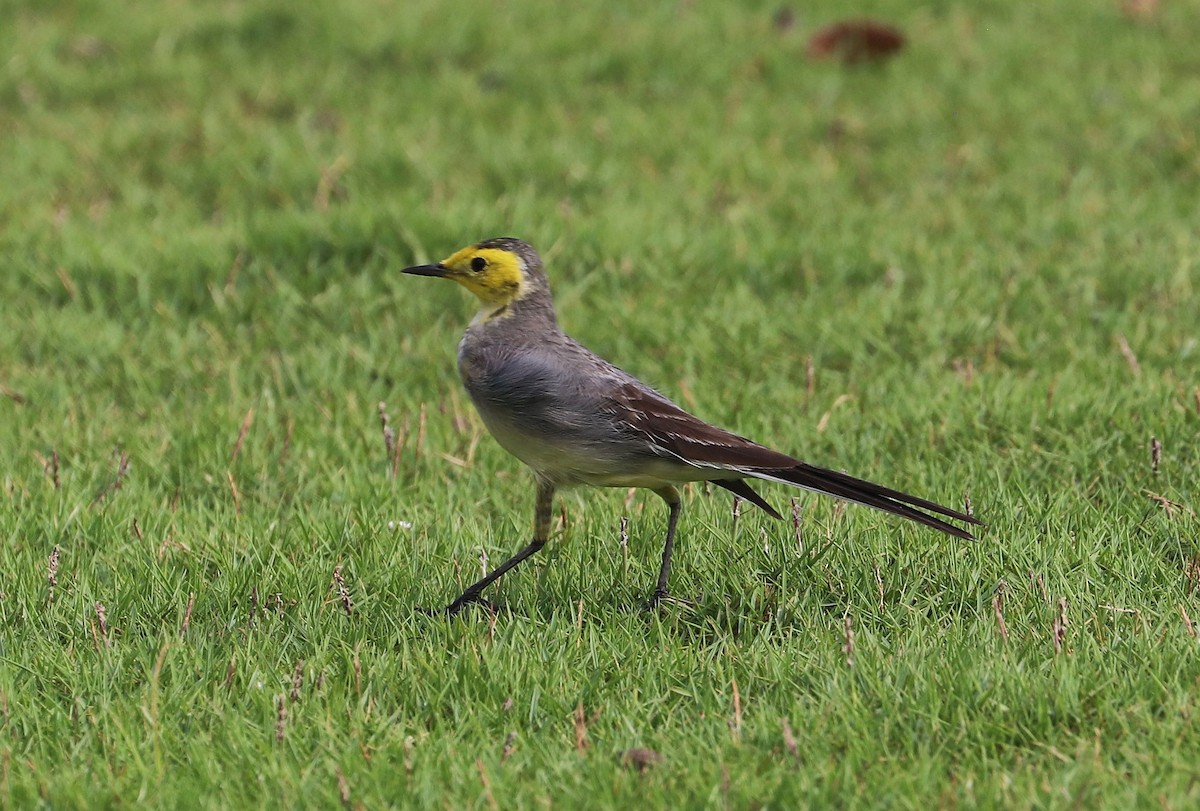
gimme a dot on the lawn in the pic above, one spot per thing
(969, 272)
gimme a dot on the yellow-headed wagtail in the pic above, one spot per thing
(574, 418)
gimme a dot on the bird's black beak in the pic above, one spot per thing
(427, 270)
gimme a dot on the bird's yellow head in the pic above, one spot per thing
(498, 271)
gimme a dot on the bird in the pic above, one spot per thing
(575, 419)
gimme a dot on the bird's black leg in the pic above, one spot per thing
(541, 532)
(670, 495)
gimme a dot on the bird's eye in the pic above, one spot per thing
(478, 264)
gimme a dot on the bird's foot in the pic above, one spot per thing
(458, 605)
(661, 596)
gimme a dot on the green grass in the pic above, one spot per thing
(203, 207)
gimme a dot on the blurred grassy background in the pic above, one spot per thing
(986, 250)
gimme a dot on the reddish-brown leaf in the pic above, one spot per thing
(854, 41)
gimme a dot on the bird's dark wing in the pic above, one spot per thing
(677, 433)
(674, 432)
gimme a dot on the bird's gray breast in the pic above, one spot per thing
(544, 406)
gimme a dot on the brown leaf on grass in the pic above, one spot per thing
(581, 741)
(247, 421)
(848, 628)
(1169, 506)
(1129, 355)
(640, 758)
(735, 723)
(13, 394)
(343, 787)
(998, 607)
(854, 41)
(487, 784)
(789, 739)
(187, 614)
(1187, 622)
(102, 618)
(1140, 10)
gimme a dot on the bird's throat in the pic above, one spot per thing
(490, 312)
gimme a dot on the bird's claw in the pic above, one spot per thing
(458, 605)
(657, 600)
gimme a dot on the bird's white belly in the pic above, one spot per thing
(571, 460)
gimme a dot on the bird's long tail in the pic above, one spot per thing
(860, 491)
